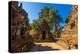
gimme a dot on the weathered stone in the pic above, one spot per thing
(20, 38)
(69, 36)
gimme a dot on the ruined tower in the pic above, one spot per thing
(20, 40)
(70, 35)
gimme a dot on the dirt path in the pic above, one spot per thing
(46, 46)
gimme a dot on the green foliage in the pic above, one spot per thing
(50, 16)
(67, 20)
(35, 25)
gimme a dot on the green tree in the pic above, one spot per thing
(34, 25)
(48, 18)
(51, 16)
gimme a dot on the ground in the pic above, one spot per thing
(46, 46)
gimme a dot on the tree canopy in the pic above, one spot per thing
(50, 16)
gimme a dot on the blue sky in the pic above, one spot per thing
(33, 9)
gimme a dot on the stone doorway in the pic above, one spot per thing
(43, 35)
